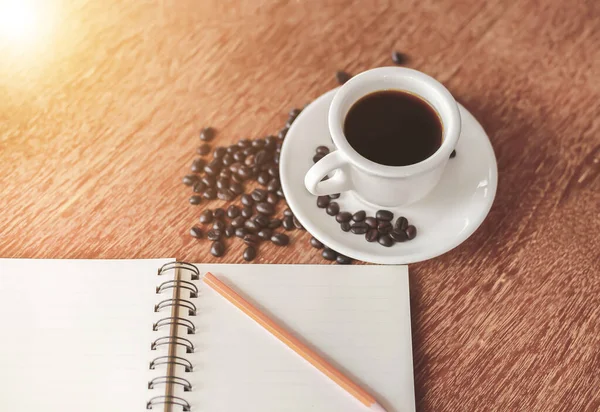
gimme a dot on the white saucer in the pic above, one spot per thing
(444, 219)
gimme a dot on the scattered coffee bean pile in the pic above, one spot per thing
(227, 176)
(375, 229)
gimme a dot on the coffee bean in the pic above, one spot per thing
(371, 235)
(203, 149)
(217, 249)
(196, 232)
(273, 185)
(245, 172)
(265, 208)
(233, 212)
(207, 134)
(273, 171)
(323, 201)
(314, 242)
(233, 149)
(384, 227)
(240, 232)
(343, 217)
(322, 150)
(401, 223)
(384, 215)
(259, 195)
(244, 143)
(276, 159)
(226, 194)
(251, 239)
(261, 221)
(334, 196)
(251, 226)
(239, 157)
(359, 228)
(371, 222)
(329, 254)
(263, 178)
(219, 225)
(249, 161)
(270, 143)
(272, 198)
(399, 235)
(411, 232)
(345, 226)
(249, 151)
(213, 168)
(258, 143)
(282, 133)
(190, 180)
(280, 193)
(247, 212)
(238, 221)
(317, 157)
(342, 77)
(288, 212)
(398, 58)
(210, 194)
(261, 157)
(333, 209)
(219, 213)
(453, 154)
(234, 168)
(265, 233)
(247, 200)
(249, 253)
(227, 160)
(213, 235)
(280, 239)
(199, 187)
(385, 240)
(209, 181)
(359, 216)
(237, 179)
(236, 188)
(206, 217)
(288, 223)
(274, 223)
(297, 223)
(222, 183)
(219, 152)
(198, 165)
(195, 200)
(343, 260)
(229, 231)
(294, 112)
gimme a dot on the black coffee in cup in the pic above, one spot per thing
(393, 128)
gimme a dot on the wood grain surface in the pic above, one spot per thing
(100, 108)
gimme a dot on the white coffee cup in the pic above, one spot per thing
(379, 184)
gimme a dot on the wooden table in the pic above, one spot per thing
(99, 120)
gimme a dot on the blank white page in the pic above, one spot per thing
(357, 317)
(77, 334)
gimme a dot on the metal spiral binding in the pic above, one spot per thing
(176, 302)
(177, 321)
(173, 400)
(187, 386)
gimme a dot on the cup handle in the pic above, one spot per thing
(338, 183)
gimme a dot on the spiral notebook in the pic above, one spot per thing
(138, 335)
